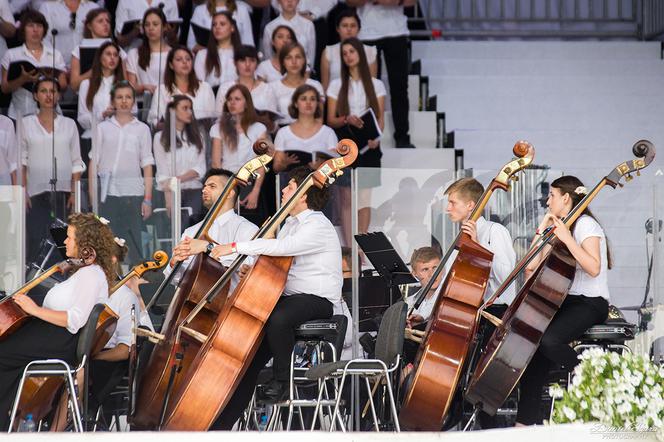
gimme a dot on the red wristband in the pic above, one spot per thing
(234, 247)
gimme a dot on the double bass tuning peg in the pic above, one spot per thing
(629, 177)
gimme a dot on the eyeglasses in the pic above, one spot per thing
(72, 21)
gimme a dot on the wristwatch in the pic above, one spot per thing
(209, 248)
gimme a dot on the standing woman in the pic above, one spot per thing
(202, 17)
(189, 155)
(214, 64)
(43, 135)
(66, 17)
(294, 67)
(349, 96)
(53, 330)
(234, 136)
(270, 70)
(180, 79)
(32, 31)
(121, 150)
(146, 64)
(586, 303)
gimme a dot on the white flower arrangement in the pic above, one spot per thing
(619, 391)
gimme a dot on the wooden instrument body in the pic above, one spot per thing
(440, 359)
(514, 343)
(11, 317)
(201, 274)
(208, 384)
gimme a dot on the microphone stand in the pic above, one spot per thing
(54, 161)
(161, 42)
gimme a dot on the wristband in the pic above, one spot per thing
(234, 247)
(147, 202)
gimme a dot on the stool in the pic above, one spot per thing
(611, 336)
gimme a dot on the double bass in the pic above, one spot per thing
(451, 329)
(229, 347)
(204, 272)
(518, 334)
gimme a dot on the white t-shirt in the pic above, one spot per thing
(333, 56)
(284, 94)
(426, 307)
(233, 160)
(379, 21)
(584, 284)
(304, 30)
(325, 140)
(187, 157)
(154, 74)
(100, 103)
(267, 71)
(357, 98)
(201, 17)
(58, 17)
(227, 71)
(319, 8)
(203, 102)
(262, 96)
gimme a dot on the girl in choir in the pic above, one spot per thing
(202, 17)
(189, 155)
(587, 300)
(234, 136)
(146, 64)
(43, 136)
(52, 332)
(132, 10)
(348, 97)
(32, 31)
(121, 150)
(214, 64)
(269, 70)
(348, 26)
(180, 79)
(294, 67)
(66, 17)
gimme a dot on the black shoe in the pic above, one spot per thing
(274, 391)
(405, 145)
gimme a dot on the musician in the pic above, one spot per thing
(586, 303)
(312, 289)
(53, 331)
(228, 227)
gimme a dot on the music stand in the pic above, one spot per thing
(387, 262)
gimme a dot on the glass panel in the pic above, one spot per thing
(12, 238)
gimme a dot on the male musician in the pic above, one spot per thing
(312, 289)
(227, 227)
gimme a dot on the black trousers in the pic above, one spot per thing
(395, 51)
(37, 339)
(575, 316)
(289, 313)
(124, 214)
(40, 217)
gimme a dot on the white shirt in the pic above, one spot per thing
(357, 97)
(203, 102)
(426, 307)
(36, 150)
(333, 55)
(227, 71)
(584, 284)
(119, 153)
(121, 302)
(78, 295)
(312, 239)
(187, 157)
(201, 17)
(319, 8)
(496, 238)
(304, 30)
(233, 160)
(129, 10)
(228, 228)
(154, 75)
(100, 103)
(18, 6)
(284, 94)
(22, 100)
(325, 140)
(262, 96)
(8, 16)
(379, 21)
(8, 150)
(268, 72)
(93, 43)
(58, 17)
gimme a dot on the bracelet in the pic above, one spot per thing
(234, 247)
(147, 202)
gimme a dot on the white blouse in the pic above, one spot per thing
(100, 103)
(233, 160)
(58, 17)
(227, 71)
(304, 30)
(203, 102)
(36, 151)
(357, 98)
(202, 18)
(128, 10)
(121, 302)
(325, 140)
(78, 295)
(187, 158)
(7, 15)
(268, 72)
(333, 56)
(262, 96)
(94, 43)
(154, 75)
(284, 94)
(119, 153)
(584, 284)
(8, 150)
(380, 21)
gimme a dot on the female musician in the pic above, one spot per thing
(32, 31)
(270, 69)
(586, 303)
(147, 63)
(189, 155)
(202, 17)
(52, 332)
(294, 67)
(214, 64)
(180, 79)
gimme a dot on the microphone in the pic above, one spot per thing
(161, 5)
(54, 32)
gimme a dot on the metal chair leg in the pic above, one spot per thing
(371, 403)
